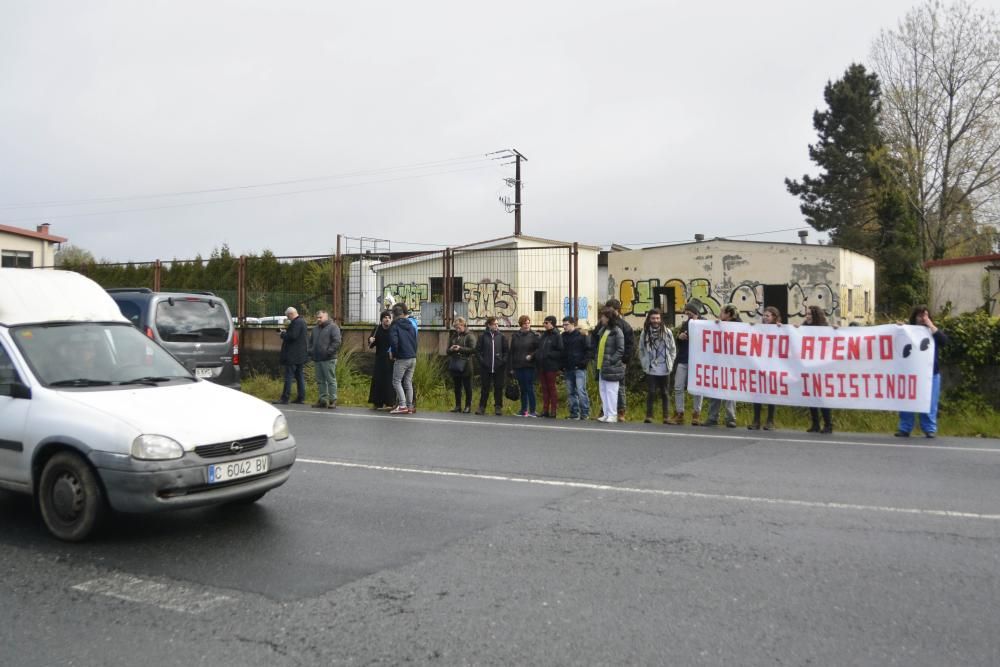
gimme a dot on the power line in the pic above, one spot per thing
(465, 159)
(233, 199)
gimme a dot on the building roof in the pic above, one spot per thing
(28, 296)
(43, 236)
(479, 245)
(720, 239)
(978, 259)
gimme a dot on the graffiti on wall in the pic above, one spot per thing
(638, 297)
(410, 294)
(490, 298)
(582, 307)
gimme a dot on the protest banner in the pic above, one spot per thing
(887, 367)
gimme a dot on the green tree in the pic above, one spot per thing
(856, 197)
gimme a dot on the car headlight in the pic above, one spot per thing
(280, 427)
(156, 447)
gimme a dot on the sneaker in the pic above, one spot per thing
(498, 412)
(412, 410)
(613, 419)
(647, 420)
(279, 402)
(827, 429)
(400, 410)
(299, 401)
(332, 405)
(731, 423)
(901, 434)
(753, 427)
(522, 413)
(769, 426)
(573, 418)
(676, 420)
(467, 409)
(602, 418)
(531, 414)
(457, 408)
(481, 411)
(927, 435)
(813, 429)
(320, 404)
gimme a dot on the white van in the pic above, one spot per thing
(95, 416)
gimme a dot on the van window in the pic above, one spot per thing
(192, 321)
(8, 375)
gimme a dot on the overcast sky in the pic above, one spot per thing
(642, 122)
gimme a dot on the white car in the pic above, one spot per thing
(95, 416)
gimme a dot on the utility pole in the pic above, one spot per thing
(517, 191)
(515, 158)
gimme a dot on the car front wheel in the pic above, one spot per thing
(70, 497)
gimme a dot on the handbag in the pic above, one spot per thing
(456, 364)
(512, 391)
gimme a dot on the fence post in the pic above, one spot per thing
(241, 291)
(447, 298)
(575, 271)
(338, 276)
(156, 276)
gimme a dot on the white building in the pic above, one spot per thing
(26, 249)
(505, 278)
(964, 284)
(749, 274)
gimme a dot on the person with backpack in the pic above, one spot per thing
(403, 345)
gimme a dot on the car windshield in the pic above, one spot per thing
(94, 354)
(183, 319)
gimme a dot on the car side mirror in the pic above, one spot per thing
(19, 390)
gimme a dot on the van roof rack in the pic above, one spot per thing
(117, 290)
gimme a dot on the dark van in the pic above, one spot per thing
(196, 327)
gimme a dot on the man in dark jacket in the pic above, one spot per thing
(575, 354)
(492, 352)
(403, 341)
(549, 358)
(324, 344)
(294, 355)
(629, 351)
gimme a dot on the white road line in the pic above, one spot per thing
(656, 434)
(591, 486)
(172, 597)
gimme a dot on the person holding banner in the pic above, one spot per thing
(692, 311)
(815, 317)
(610, 364)
(727, 314)
(656, 354)
(771, 315)
(928, 420)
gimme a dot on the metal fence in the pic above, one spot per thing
(473, 283)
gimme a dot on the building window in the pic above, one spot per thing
(868, 303)
(16, 259)
(437, 289)
(539, 301)
(850, 301)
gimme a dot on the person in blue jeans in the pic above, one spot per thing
(523, 345)
(575, 355)
(928, 420)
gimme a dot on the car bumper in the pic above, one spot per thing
(132, 485)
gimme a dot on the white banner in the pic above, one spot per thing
(887, 367)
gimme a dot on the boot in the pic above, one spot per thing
(677, 419)
(621, 416)
(827, 428)
(814, 428)
(332, 405)
(457, 408)
(695, 418)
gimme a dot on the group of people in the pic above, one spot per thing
(512, 367)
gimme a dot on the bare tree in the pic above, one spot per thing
(940, 73)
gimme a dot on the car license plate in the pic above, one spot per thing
(224, 472)
(203, 372)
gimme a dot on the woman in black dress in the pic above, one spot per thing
(381, 395)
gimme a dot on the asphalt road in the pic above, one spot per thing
(499, 541)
